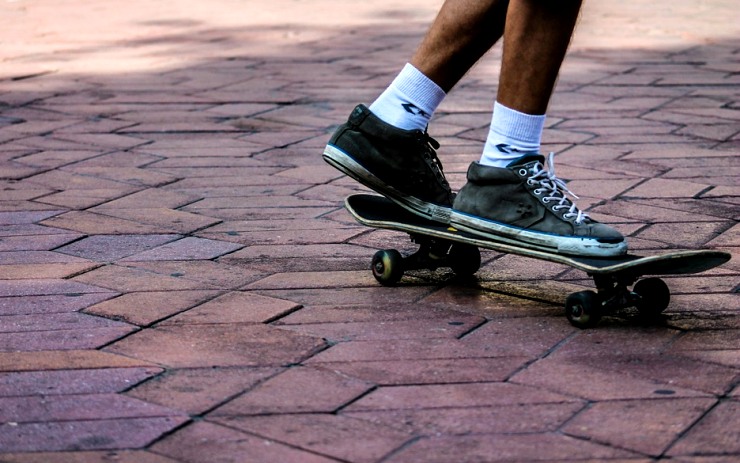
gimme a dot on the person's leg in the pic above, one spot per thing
(386, 147)
(510, 194)
(463, 31)
(536, 38)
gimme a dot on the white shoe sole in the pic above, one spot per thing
(344, 163)
(571, 245)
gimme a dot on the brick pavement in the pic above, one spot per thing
(179, 282)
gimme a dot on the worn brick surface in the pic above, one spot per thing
(180, 282)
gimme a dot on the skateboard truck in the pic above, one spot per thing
(389, 265)
(650, 296)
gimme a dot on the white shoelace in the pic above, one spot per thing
(555, 189)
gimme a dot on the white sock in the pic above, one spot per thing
(511, 135)
(409, 102)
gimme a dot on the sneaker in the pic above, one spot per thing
(527, 205)
(399, 164)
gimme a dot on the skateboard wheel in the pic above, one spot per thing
(387, 267)
(583, 309)
(464, 259)
(654, 296)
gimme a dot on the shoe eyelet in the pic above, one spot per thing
(530, 182)
(546, 200)
(522, 172)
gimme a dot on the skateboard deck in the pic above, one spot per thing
(444, 246)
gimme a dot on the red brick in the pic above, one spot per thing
(197, 390)
(429, 371)
(188, 248)
(109, 248)
(127, 433)
(98, 224)
(645, 426)
(234, 307)
(217, 274)
(582, 380)
(210, 442)
(145, 308)
(298, 390)
(74, 339)
(714, 434)
(65, 360)
(217, 345)
(454, 395)
(388, 330)
(126, 279)
(90, 381)
(334, 435)
(494, 448)
(119, 456)
(50, 408)
(499, 419)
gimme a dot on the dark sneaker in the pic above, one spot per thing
(527, 205)
(399, 164)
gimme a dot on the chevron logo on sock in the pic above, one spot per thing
(410, 108)
(508, 149)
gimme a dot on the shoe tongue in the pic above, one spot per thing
(526, 159)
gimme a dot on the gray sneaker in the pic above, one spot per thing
(527, 205)
(399, 164)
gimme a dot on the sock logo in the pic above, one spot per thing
(508, 149)
(410, 108)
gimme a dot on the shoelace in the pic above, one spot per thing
(556, 190)
(431, 145)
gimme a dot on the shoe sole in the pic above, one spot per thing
(347, 165)
(570, 245)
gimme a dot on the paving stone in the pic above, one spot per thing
(145, 308)
(337, 436)
(198, 390)
(390, 330)
(453, 395)
(525, 447)
(188, 248)
(39, 243)
(207, 441)
(182, 346)
(98, 224)
(216, 274)
(50, 304)
(430, 371)
(298, 390)
(30, 409)
(350, 296)
(109, 248)
(80, 199)
(126, 279)
(577, 379)
(235, 307)
(54, 321)
(161, 218)
(122, 456)
(43, 287)
(92, 338)
(645, 426)
(713, 434)
(54, 382)
(499, 419)
(126, 433)
(65, 360)
(44, 271)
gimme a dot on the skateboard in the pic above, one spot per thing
(441, 246)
